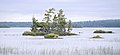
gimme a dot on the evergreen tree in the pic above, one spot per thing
(34, 26)
(69, 26)
(55, 22)
(61, 21)
(42, 26)
(48, 16)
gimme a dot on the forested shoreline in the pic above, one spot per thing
(99, 23)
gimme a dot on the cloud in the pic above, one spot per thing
(77, 18)
(16, 17)
(75, 10)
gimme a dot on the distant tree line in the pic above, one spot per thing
(100, 23)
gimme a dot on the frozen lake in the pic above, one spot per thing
(13, 43)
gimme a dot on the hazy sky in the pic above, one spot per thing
(77, 10)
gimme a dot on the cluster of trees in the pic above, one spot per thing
(53, 23)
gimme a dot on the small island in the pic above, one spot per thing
(53, 25)
(97, 36)
(102, 31)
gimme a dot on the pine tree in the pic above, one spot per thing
(34, 26)
(48, 16)
(61, 21)
(69, 26)
(55, 22)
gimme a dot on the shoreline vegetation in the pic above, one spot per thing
(62, 51)
(53, 25)
(4, 27)
(102, 31)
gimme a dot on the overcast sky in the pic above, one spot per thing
(76, 10)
